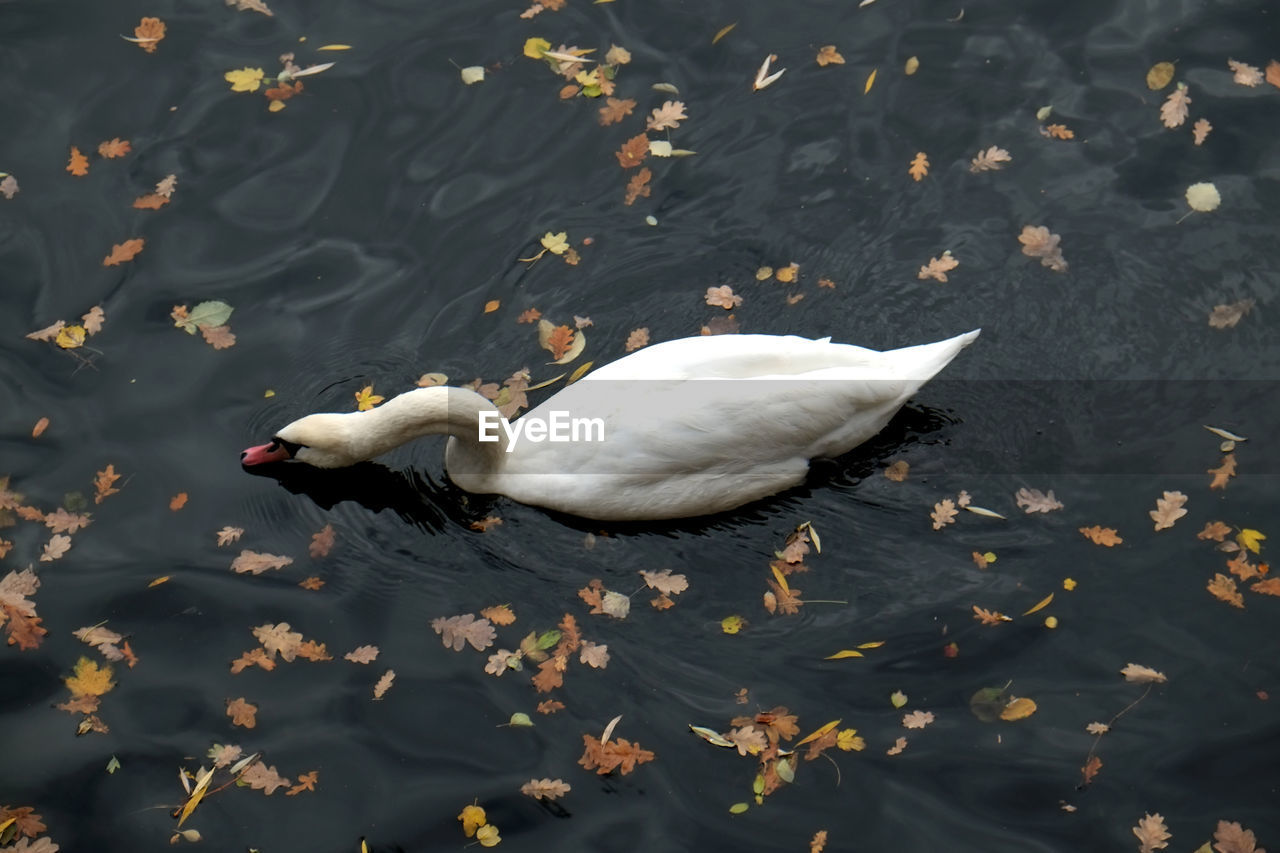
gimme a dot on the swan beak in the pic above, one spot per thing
(264, 453)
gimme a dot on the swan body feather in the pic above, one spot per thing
(690, 427)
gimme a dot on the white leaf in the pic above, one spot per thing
(472, 74)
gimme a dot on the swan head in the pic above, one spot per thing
(322, 441)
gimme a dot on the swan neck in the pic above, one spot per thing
(434, 411)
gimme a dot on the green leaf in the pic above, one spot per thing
(113, 765)
(786, 770)
(519, 718)
(739, 808)
(213, 313)
(548, 640)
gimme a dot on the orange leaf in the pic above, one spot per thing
(492, 305)
(1223, 472)
(242, 713)
(919, 166)
(638, 186)
(79, 164)
(1091, 769)
(1223, 588)
(1273, 73)
(115, 148)
(151, 201)
(633, 151)
(150, 29)
(178, 501)
(125, 251)
(40, 427)
(1101, 535)
(1059, 131)
(559, 342)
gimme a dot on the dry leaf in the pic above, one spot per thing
(1038, 242)
(828, 55)
(633, 151)
(456, 631)
(1173, 112)
(1223, 472)
(1152, 833)
(499, 614)
(254, 563)
(668, 116)
(1058, 131)
(989, 617)
(1245, 75)
(1034, 500)
(990, 160)
(545, 789)
(115, 148)
(228, 535)
(944, 513)
(1231, 837)
(937, 267)
(123, 252)
(615, 110)
(242, 713)
(638, 186)
(1169, 508)
(1142, 674)
(637, 339)
(1215, 530)
(78, 165)
(919, 166)
(384, 684)
(1223, 588)
(362, 654)
(178, 501)
(322, 542)
(723, 297)
(665, 582)
(1222, 316)
(917, 719)
(897, 471)
(1200, 130)
(1101, 535)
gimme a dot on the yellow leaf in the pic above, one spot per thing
(1160, 75)
(89, 680)
(244, 79)
(1247, 538)
(845, 653)
(897, 698)
(781, 579)
(874, 644)
(739, 808)
(202, 785)
(724, 31)
(557, 244)
(158, 581)
(366, 399)
(472, 818)
(848, 740)
(1068, 584)
(268, 393)
(1018, 709)
(492, 305)
(275, 106)
(912, 66)
(1044, 602)
(334, 47)
(488, 836)
(732, 624)
(871, 81)
(1051, 622)
(70, 337)
(579, 373)
(534, 48)
(819, 733)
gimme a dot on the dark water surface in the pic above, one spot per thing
(359, 234)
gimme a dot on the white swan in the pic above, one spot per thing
(690, 427)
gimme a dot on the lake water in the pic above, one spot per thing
(361, 233)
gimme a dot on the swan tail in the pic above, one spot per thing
(925, 361)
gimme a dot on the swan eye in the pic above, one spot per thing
(291, 447)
